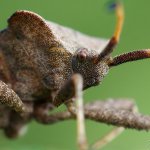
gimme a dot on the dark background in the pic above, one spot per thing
(128, 80)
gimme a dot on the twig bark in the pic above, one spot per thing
(112, 112)
(119, 113)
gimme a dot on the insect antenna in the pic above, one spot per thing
(116, 36)
(130, 56)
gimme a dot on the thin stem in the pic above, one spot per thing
(107, 138)
(81, 133)
(121, 113)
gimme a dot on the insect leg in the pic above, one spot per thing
(16, 126)
(9, 98)
(116, 36)
(41, 112)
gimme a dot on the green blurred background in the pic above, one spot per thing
(128, 80)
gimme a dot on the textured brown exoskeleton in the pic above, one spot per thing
(44, 65)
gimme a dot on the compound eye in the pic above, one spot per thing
(82, 54)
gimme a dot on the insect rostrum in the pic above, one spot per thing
(44, 65)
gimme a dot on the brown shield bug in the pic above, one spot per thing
(44, 65)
